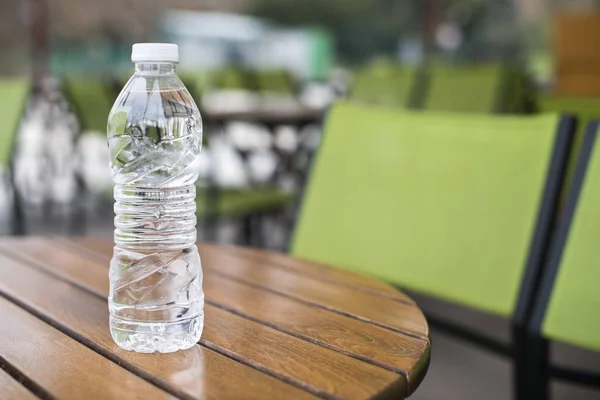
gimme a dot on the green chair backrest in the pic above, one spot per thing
(441, 203)
(466, 88)
(231, 78)
(92, 99)
(199, 82)
(584, 109)
(12, 103)
(385, 85)
(277, 81)
(574, 271)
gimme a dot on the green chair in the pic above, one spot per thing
(567, 308)
(92, 99)
(231, 78)
(242, 202)
(215, 203)
(447, 192)
(584, 109)
(275, 81)
(247, 205)
(12, 103)
(15, 92)
(478, 89)
(455, 206)
(198, 82)
(386, 85)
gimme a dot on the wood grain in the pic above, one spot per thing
(359, 339)
(104, 246)
(241, 291)
(63, 367)
(46, 255)
(316, 368)
(315, 334)
(11, 389)
(364, 306)
(312, 367)
(198, 373)
(100, 245)
(318, 270)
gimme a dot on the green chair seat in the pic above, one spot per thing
(236, 203)
(12, 104)
(445, 204)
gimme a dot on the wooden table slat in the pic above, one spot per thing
(11, 389)
(183, 373)
(66, 368)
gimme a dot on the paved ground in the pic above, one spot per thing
(461, 371)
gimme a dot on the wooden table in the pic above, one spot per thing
(275, 328)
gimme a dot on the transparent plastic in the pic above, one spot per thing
(156, 300)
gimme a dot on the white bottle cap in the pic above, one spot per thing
(155, 52)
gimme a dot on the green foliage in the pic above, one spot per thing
(362, 28)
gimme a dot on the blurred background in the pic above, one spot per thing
(263, 73)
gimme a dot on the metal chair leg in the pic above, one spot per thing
(531, 368)
(18, 217)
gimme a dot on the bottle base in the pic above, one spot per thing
(144, 337)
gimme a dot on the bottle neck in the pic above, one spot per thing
(154, 68)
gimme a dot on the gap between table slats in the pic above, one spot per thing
(17, 386)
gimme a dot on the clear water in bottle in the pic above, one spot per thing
(156, 300)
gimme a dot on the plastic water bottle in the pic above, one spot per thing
(156, 300)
